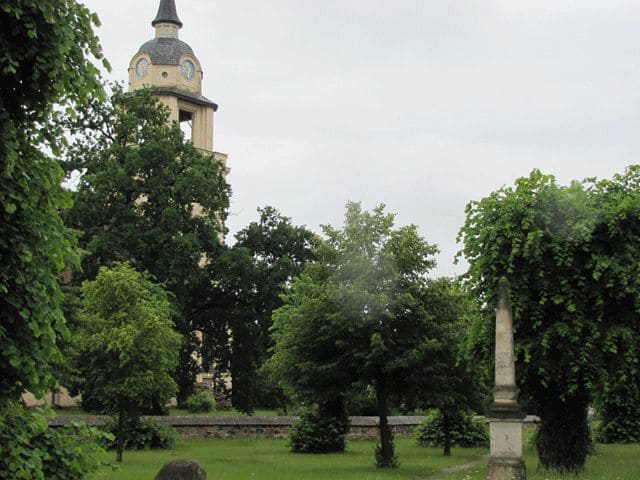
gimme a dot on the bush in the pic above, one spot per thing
(466, 431)
(202, 401)
(145, 434)
(29, 449)
(315, 433)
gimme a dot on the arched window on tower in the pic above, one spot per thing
(186, 124)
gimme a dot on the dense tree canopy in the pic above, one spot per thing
(126, 347)
(149, 197)
(571, 257)
(357, 315)
(251, 277)
(460, 382)
(47, 50)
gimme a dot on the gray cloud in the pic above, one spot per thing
(419, 104)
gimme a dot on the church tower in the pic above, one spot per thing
(169, 65)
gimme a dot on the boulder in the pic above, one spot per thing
(182, 470)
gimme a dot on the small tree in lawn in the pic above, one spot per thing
(357, 315)
(126, 345)
(461, 380)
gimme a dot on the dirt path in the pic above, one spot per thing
(457, 468)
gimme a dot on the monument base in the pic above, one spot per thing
(507, 469)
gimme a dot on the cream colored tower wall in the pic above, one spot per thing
(170, 77)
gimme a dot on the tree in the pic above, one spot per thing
(615, 283)
(126, 346)
(251, 276)
(46, 65)
(357, 315)
(461, 381)
(570, 254)
(151, 198)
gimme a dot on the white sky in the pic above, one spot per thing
(422, 105)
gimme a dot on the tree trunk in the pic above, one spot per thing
(120, 439)
(446, 427)
(563, 441)
(385, 457)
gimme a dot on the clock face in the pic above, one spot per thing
(188, 69)
(142, 67)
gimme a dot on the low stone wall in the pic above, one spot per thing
(243, 427)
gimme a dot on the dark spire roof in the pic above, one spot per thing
(167, 13)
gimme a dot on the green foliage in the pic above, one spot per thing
(45, 67)
(571, 257)
(357, 316)
(44, 64)
(137, 201)
(465, 430)
(319, 431)
(252, 275)
(200, 402)
(141, 435)
(30, 450)
(126, 347)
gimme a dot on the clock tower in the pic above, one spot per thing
(169, 65)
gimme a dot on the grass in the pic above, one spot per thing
(611, 462)
(267, 459)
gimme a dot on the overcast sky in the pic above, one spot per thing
(422, 105)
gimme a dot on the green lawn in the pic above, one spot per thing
(266, 459)
(612, 462)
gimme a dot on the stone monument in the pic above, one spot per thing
(182, 470)
(505, 415)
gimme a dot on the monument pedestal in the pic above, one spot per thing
(507, 469)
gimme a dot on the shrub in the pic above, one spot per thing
(466, 431)
(202, 401)
(29, 449)
(315, 433)
(145, 434)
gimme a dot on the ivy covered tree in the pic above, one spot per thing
(570, 254)
(126, 348)
(357, 316)
(615, 263)
(46, 66)
(149, 197)
(251, 277)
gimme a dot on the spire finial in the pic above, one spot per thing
(167, 13)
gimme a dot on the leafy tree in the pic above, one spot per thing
(45, 66)
(615, 266)
(126, 346)
(461, 381)
(251, 276)
(148, 197)
(358, 315)
(570, 254)
(45, 63)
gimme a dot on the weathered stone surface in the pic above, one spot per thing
(505, 415)
(200, 427)
(507, 469)
(182, 470)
